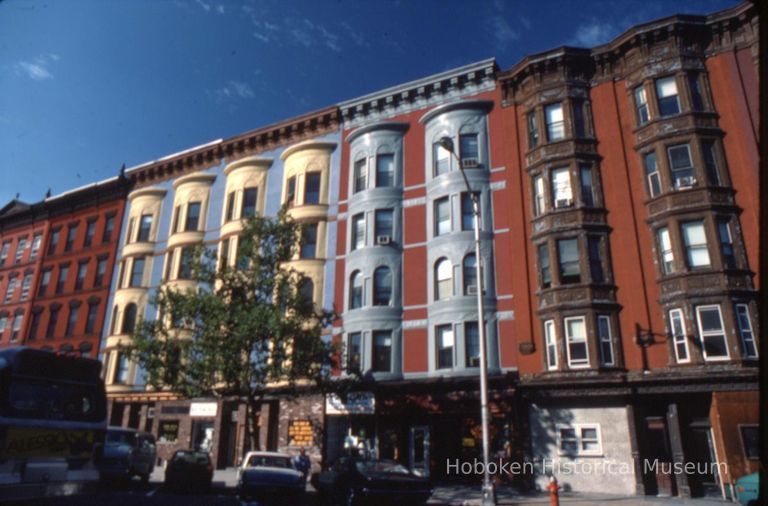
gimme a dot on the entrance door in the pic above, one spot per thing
(701, 452)
(202, 436)
(418, 455)
(658, 476)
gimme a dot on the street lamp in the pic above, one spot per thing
(489, 496)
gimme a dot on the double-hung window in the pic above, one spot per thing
(71, 234)
(442, 209)
(101, 271)
(312, 188)
(553, 114)
(550, 341)
(726, 244)
(250, 196)
(381, 359)
(605, 338)
(666, 91)
(358, 231)
(544, 266)
(576, 338)
(26, 284)
(90, 322)
(62, 281)
(382, 286)
(538, 196)
(748, 345)
(90, 231)
(36, 241)
(4, 252)
(568, 256)
(361, 175)
(641, 106)
(354, 352)
(441, 159)
(469, 268)
(679, 339)
(193, 217)
(468, 211)
(697, 97)
(562, 196)
(82, 272)
(468, 151)
(356, 290)
(680, 166)
(533, 130)
(290, 191)
(665, 250)
(443, 279)
(309, 241)
(137, 271)
(20, 249)
(229, 214)
(695, 239)
(472, 344)
(712, 332)
(45, 280)
(53, 242)
(710, 162)
(445, 344)
(587, 187)
(71, 321)
(384, 225)
(109, 228)
(653, 179)
(10, 289)
(385, 170)
(596, 269)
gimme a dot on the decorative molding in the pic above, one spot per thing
(414, 324)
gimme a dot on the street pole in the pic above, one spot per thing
(488, 493)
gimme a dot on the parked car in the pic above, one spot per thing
(126, 453)
(189, 470)
(269, 477)
(748, 489)
(352, 481)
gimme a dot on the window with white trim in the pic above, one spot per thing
(668, 99)
(550, 340)
(472, 344)
(36, 241)
(443, 279)
(20, 249)
(4, 252)
(576, 338)
(381, 359)
(695, 240)
(442, 211)
(356, 290)
(679, 340)
(665, 250)
(562, 195)
(712, 332)
(358, 231)
(354, 352)
(441, 159)
(748, 345)
(385, 170)
(605, 338)
(553, 115)
(579, 439)
(445, 343)
(360, 175)
(538, 196)
(681, 166)
(641, 105)
(653, 179)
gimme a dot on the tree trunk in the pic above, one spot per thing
(253, 406)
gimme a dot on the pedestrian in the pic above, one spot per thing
(302, 463)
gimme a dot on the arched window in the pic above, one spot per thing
(382, 286)
(307, 292)
(470, 274)
(443, 279)
(356, 290)
(114, 321)
(129, 319)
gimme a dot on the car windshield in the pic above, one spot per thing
(381, 467)
(269, 461)
(120, 438)
(191, 457)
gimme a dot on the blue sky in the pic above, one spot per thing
(87, 85)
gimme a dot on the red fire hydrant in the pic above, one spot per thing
(554, 497)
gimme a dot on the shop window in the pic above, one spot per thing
(550, 341)
(469, 151)
(666, 91)
(680, 166)
(587, 186)
(652, 177)
(193, 217)
(445, 343)
(361, 175)
(641, 106)
(381, 360)
(712, 332)
(312, 188)
(137, 271)
(442, 216)
(533, 130)
(726, 244)
(385, 170)
(568, 257)
(665, 250)
(562, 196)
(145, 227)
(384, 226)
(358, 231)
(748, 346)
(356, 290)
(553, 114)
(250, 197)
(576, 338)
(472, 344)
(309, 241)
(354, 352)
(538, 196)
(469, 270)
(168, 431)
(441, 159)
(581, 439)
(545, 271)
(382, 286)
(750, 440)
(443, 279)
(695, 240)
(605, 338)
(679, 339)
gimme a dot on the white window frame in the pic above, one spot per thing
(449, 331)
(26, 286)
(356, 239)
(563, 191)
(435, 205)
(20, 247)
(744, 331)
(579, 428)
(652, 176)
(550, 340)
(667, 254)
(37, 240)
(356, 176)
(602, 339)
(691, 247)
(555, 127)
(569, 340)
(444, 261)
(703, 336)
(539, 199)
(641, 104)
(679, 335)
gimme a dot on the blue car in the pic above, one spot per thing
(747, 489)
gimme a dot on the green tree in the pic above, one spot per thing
(242, 329)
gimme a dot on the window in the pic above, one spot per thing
(553, 114)
(472, 344)
(468, 211)
(561, 188)
(579, 125)
(381, 361)
(71, 234)
(384, 224)
(185, 264)
(445, 343)
(36, 241)
(71, 321)
(748, 346)
(750, 440)
(229, 212)
(710, 162)
(653, 179)
(356, 290)
(250, 196)
(168, 431)
(309, 241)
(443, 279)
(18, 319)
(382, 286)
(666, 90)
(354, 352)
(544, 266)
(550, 341)
(358, 231)
(641, 106)
(469, 269)
(137, 271)
(576, 337)
(442, 216)
(533, 130)
(712, 332)
(307, 294)
(3, 324)
(223, 257)
(121, 370)
(34, 325)
(679, 340)
(90, 231)
(54, 241)
(61, 282)
(361, 175)
(53, 319)
(606, 339)
(90, 322)
(385, 170)
(469, 151)
(695, 240)
(441, 159)
(290, 192)
(113, 322)
(726, 244)
(129, 232)
(538, 196)
(109, 228)
(20, 249)
(45, 280)
(587, 188)
(596, 270)
(4, 252)
(26, 284)
(312, 188)
(82, 271)
(101, 271)
(10, 289)
(680, 166)
(129, 319)
(193, 217)
(580, 439)
(697, 97)
(665, 249)
(568, 256)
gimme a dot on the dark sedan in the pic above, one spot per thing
(354, 481)
(189, 470)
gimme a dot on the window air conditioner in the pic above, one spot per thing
(686, 182)
(383, 240)
(469, 163)
(560, 203)
(472, 290)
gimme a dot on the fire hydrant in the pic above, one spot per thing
(554, 497)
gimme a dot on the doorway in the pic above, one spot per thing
(659, 480)
(418, 454)
(202, 436)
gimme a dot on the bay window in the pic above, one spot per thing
(562, 196)
(568, 257)
(605, 338)
(641, 106)
(748, 345)
(385, 170)
(653, 179)
(442, 210)
(445, 343)
(443, 279)
(550, 341)
(472, 344)
(553, 114)
(356, 290)
(665, 250)
(680, 166)
(358, 231)
(381, 360)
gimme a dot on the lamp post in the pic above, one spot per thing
(489, 495)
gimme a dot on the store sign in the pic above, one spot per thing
(300, 433)
(203, 409)
(356, 403)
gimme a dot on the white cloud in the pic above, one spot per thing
(592, 34)
(502, 32)
(37, 69)
(356, 37)
(220, 9)
(205, 6)
(234, 89)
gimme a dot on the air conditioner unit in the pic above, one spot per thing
(472, 290)
(469, 163)
(383, 240)
(686, 182)
(560, 203)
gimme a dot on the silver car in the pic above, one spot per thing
(270, 478)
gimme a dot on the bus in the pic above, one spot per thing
(53, 417)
